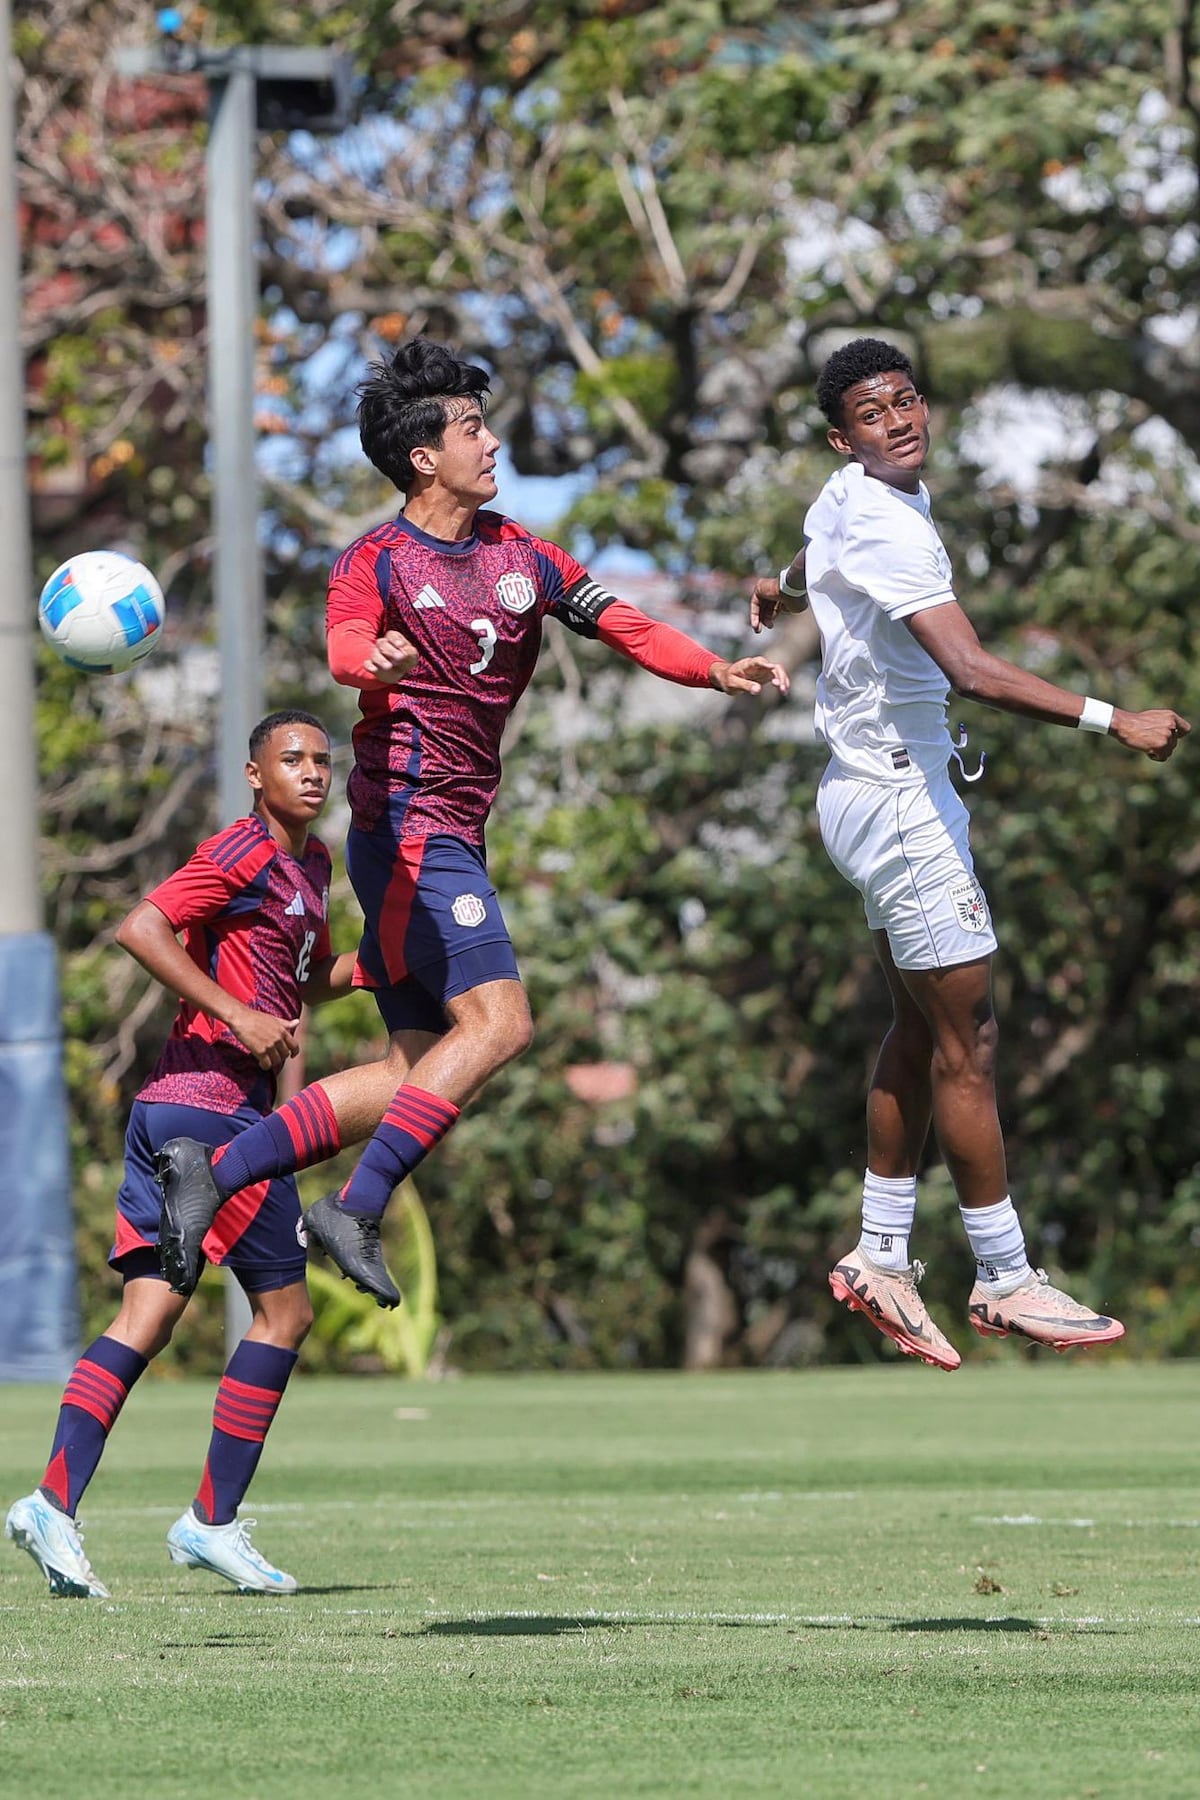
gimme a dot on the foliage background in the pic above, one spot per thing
(653, 221)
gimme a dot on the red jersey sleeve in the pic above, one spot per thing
(208, 881)
(354, 614)
(657, 647)
(585, 606)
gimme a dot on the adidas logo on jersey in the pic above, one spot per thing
(295, 907)
(427, 597)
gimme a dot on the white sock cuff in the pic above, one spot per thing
(889, 1204)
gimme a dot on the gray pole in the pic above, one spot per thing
(232, 280)
(232, 284)
(20, 900)
(37, 1258)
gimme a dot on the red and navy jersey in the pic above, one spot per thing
(427, 752)
(254, 919)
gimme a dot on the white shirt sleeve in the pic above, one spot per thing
(903, 571)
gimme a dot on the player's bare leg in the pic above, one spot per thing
(489, 1026)
(1008, 1296)
(878, 1278)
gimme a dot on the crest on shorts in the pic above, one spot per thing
(469, 909)
(970, 907)
(516, 592)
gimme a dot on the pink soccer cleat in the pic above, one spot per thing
(889, 1298)
(1041, 1312)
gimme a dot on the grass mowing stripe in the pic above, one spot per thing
(734, 1585)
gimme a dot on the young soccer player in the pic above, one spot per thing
(252, 904)
(894, 641)
(436, 618)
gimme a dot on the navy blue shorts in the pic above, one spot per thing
(258, 1233)
(432, 925)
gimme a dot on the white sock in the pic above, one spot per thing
(889, 1205)
(998, 1244)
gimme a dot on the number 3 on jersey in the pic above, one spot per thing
(485, 631)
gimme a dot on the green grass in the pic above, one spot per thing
(605, 1586)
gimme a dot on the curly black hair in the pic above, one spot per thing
(403, 403)
(852, 364)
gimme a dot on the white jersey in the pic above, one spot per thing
(873, 559)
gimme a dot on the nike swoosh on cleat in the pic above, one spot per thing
(918, 1330)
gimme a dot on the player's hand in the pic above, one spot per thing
(768, 600)
(1157, 732)
(749, 675)
(392, 658)
(270, 1041)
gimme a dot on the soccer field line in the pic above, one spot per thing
(467, 1504)
(1087, 1524)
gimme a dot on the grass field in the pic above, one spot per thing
(881, 1581)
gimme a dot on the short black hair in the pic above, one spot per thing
(288, 715)
(852, 364)
(403, 403)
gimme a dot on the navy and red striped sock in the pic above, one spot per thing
(97, 1390)
(247, 1400)
(302, 1132)
(413, 1123)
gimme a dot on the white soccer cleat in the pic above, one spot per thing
(227, 1551)
(55, 1542)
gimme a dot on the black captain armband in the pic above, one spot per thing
(581, 606)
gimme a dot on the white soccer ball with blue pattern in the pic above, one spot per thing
(102, 612)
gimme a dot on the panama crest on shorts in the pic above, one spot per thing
(970, 908)
(468, 909)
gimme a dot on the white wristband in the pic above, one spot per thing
(1097, 715)
(791, 592)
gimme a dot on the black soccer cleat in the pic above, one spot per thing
(352, 1241)
(183, 1170)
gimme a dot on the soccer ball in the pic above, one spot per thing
(101, 611)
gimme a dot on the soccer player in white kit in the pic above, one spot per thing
(894, 642)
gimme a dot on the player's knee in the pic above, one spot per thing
(520, 1036)
(969, 1058)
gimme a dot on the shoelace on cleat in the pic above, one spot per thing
(241, 1540)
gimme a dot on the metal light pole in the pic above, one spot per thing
(250, 87)
(37, 1259)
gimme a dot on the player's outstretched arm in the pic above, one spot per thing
(773, 594)
(677, 657)
(148, 936)
(948, 636)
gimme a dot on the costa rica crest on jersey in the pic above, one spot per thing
(516, 592)
(970, 907)
(468, 909)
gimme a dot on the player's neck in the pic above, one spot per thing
(441, 514)
(293, 839)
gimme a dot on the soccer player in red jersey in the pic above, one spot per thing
(436, 618)
(252, 904)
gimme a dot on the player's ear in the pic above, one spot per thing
(254, 776)
(423, 460)
(838, 441)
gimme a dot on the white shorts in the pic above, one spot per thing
(907, 851)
